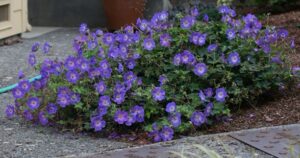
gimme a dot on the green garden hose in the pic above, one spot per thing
(8, 88)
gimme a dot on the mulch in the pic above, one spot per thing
(279, 109)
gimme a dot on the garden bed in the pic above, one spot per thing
(148, 80)
(285, 107)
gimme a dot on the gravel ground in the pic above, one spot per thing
(221, 144)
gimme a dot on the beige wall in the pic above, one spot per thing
(13, 17)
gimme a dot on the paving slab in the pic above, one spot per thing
(224, 144)
(38, 31)
(282, 142)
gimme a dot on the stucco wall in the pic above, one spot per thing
(74, 12)
(66, 12)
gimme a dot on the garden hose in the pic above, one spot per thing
(8, 88)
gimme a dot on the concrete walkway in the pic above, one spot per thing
(20, 139)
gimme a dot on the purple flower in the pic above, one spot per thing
(105, 73)
(221, 94)
(17, 93)
(166, 133)
(33, 103)
(177, 59)
(28, 115)
(10, 111)
(24, 86)
(165, 40)
(187, 57)
(194, 11)
(31, 59)
(205, 18)
(197, 118)
(101, 87)
(119, 97)
(276, 59)
(131, 64)
(156, 135)
(37, 85)
(43, 119)
(197, 38)
(129, 77)
(139, 81)
(148, 44)
(70, 63)
(114, 52)
(208, 109)
(136, 56)
(46, 47)
(84, 65)
(97, 123)
(99, 32)
(163, 15)
(162, 79)
(295, 70)
(108, 38)
(21, 74)
(283, 33)
(83, 28)
(158, 94)
(91, 45)
(63, 90)
(230, 34)
(138, 113)
(208, 92)
(201, 39)
(119, 88)
(102, 110)
(101, 52)
(202, 96)
(252, 26)
(234, 59)
(63, 100)
(104, 65)
(292, 44)
(51, 109)
(175, 119)
(130, 120)
(74, 98)
(35, 47)
(187, 22)
(142, 24)
(104, 101)
(120, 68)
(129, 29)
(171, 107)
(123, 51)
(121, 116)
(194, 37)
(212, 47)
(200, 69)
(223, 9)
(72, 76)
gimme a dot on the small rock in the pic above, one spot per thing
(8, 129)
(268, 119)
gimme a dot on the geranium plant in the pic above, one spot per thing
(161, 76)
